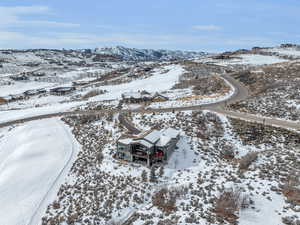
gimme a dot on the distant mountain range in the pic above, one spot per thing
(147, 54)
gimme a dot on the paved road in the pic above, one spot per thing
(240, 93)
(260, 119)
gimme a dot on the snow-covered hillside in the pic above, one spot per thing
(159, 81)
(147, 54)
(34, 160)
(293, 52)
(249, 59)
(252, 59)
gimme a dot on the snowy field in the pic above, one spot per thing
(158, 82)
(245, 59)
(11, 115)
(20, 87)
(201, 100)
(252, 60)
(292, 52)
(32, 167)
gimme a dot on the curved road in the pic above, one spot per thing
(240, 93)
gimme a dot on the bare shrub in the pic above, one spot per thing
(166, 222)
(114, 222)
(144, 176)
(229, 203)
(87, 119)
(165, 200)
(56, 205)
(291, 188)
(227, 151)
(99, 157)
(247, 160)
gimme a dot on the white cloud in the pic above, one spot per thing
(88, 40)
(206, 27)
(47, 24)
(19, 10)
(14, 17)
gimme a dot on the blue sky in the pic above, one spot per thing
(214, 25)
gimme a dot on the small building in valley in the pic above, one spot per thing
(142, 96)
(35, 92)
(62, 90)
(21, 77)
(148, 148)
(136, 97)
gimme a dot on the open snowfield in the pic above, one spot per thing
(10, 115)
(245, 59)
(33, 157)
(286, 51)
(20, 87)
(158, 82)
(187, 103)
(265, 214)
(252, 59)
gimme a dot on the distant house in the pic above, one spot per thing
(21, 77)
(35, 92)
(159, 98)
(149, 148)
(80, 83)
(16, 97)
(142, 96)
(62, 90)
(39, 74)
(136, 97)
(3, 101)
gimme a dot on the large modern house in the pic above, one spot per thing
(150, 147)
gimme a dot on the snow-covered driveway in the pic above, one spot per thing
(34, 160)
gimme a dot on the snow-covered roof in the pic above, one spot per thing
(125, 141)
(163, 141)
(153, 136)
(167, 135)
(170, 132)
(137, 95)
(158, 137)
